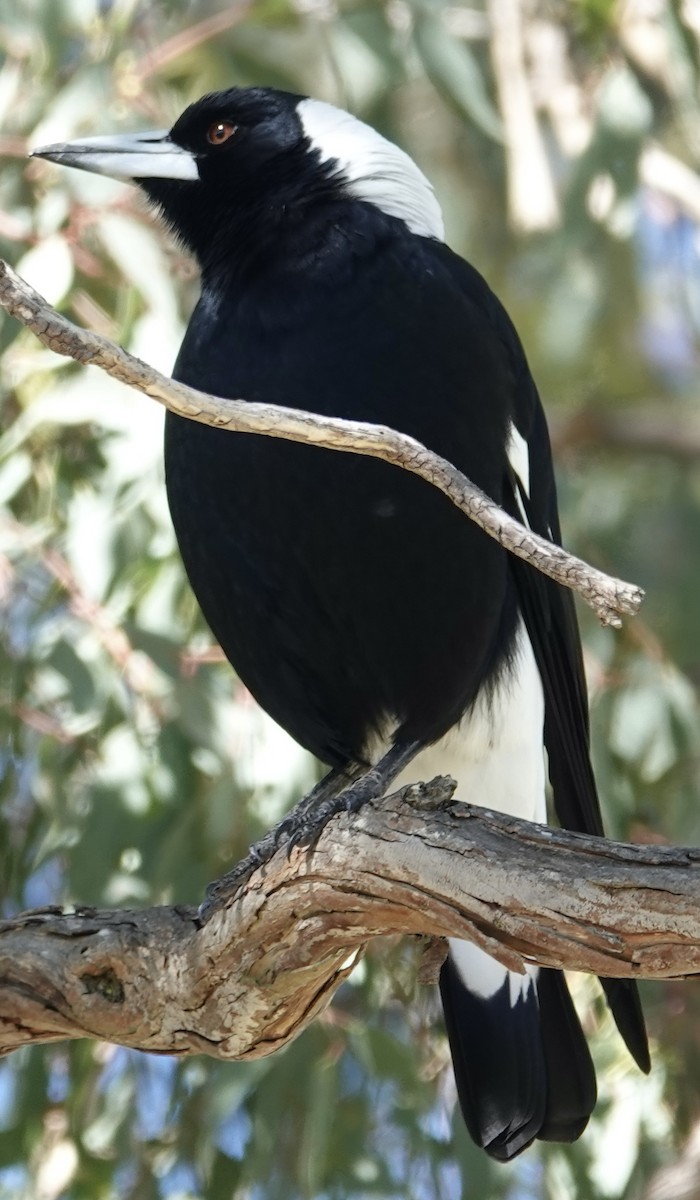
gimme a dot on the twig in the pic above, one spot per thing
(249, 979)
(194, 35)
(652, 428)
(607, 596)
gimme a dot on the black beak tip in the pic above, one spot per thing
(48, 152)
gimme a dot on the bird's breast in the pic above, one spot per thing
(345, 591)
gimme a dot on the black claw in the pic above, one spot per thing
(303, 826)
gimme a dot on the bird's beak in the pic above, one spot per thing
(150, 155)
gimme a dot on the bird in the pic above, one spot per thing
(381, 628)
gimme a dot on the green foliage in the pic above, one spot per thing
(133, 768)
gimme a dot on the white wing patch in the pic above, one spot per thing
(519, 457)
(374, 169)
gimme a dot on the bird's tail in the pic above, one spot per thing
(521, 1062)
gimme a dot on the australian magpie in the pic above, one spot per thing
(370, 618)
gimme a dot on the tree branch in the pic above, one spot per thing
(653, 428)
(609, 597)
(268, 959)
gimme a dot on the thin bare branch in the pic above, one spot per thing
(608, 597)
(652, 428)
(187, 39)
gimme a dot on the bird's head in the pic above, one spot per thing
(242, 168)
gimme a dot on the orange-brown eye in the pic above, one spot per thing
(220, 132)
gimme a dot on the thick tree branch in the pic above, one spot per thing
(271, 955)
(608, 597)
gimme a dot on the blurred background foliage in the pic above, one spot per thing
(564, 141)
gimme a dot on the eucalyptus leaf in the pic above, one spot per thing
(457, 73)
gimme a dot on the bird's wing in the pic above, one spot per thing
(550, 617)
(529, 494)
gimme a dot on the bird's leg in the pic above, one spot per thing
(344, 789)
(334, 782)
(307, 821)
(323, 793)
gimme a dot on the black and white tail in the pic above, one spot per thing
(522, 1066)
(521, 1062)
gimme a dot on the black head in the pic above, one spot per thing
(245, 171)
(247, 167)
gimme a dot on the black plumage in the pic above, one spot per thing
(360, 608)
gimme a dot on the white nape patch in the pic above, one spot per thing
(496, 755)
(374, 169)
(149, 155)
(519, 457)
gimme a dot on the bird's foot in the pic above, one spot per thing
(289, 831)
(304, 825)
(225, 888)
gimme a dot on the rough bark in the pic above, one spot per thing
(272, 952)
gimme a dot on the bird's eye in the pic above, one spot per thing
(220, 132)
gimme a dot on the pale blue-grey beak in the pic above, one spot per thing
(151, 155)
